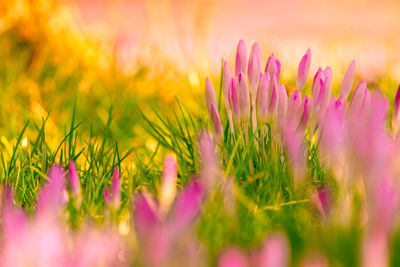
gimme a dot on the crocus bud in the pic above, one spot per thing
(226, 84)
(282, 102)
(254, 68)
(241, 58)
(262, 97)
(275, 252)
(321, 199)
(396, 114)
(348, 80)
(243, 98)
(360, 98)
(307, 103)
(168, 182)
(273, 91)
(216, 122)
(210, 94)
(75, 189)
(331, 128)
(187, 205)
(50, 197)
(273, 67)
(106, 196)
(233, 257)
(73, 179)
(116, 189)
(294, 108)
(318, 90)
(233, 98)
(328, 85)
(304, 69)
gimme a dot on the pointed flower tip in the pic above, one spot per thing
(73, 177)
(106, 196)
(273, 66)
(304, 69)
(216, 122)
(210, 94)
(254, 67)
(116, 187)
(243, 98)
(241, 58)
(348, 80)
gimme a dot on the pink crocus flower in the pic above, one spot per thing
(304, 69)
(294, 109)
(275, 252)
(116, 189)
(348, 80)
(210, 94)
(233, 98)
(318, 90)
(216, 122)
(273, 95)
(262, 97)
(282, 103)
(332, 128)
(273, 67)
(254, 68)
(160, 233)
(227, 84)
(307, 106)
(75, 188)
(360, 100)
(243, 98)
(233, 257)
(321, 199)
(241, 58)
(168, 181)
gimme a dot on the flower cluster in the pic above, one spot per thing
(352, 138)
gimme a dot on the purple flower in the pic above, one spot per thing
(50, 198)
(216, 122)
(254, 68)
(282, 103)
(348, 80)
(304, 69)
(116, 188)
(233, 257)
(273, 67)
(243, 98)
(233, 98)
(210, 94)
(262, 97)
(241, 58)
(318, 91)
(226, 84)
(273, 91)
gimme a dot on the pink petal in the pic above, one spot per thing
(233, 257)
(304, 69)
(254, 67)
(241, 58)
(210, 94)
(348, 80)
(243, 98)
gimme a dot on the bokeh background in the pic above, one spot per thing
(130, 54)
